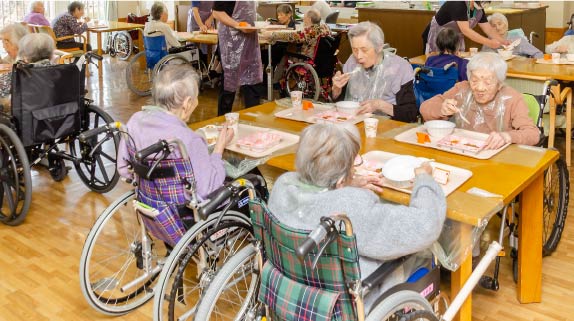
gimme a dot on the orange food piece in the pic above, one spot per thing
(307, 105)
(243, 24)
(547, 57)
(423, 138)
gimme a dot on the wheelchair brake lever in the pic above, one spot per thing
(331, 236)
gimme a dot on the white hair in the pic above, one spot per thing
(34, 4)
(35, 47)
(498, 16)
(374, 34)
(489, 61)
(14, 32)
(326, 154)
(173, 84)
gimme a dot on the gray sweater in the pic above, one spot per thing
(384, 231)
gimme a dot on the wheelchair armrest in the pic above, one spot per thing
(382, 272)
(297, 55)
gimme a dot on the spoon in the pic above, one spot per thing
(463, 118)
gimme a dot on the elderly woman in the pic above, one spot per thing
(325, 183)
(11, 35)
(499, 22)
(158, 22)
(490, 106)
(36, 14)
(175, 93)
(382, 82)
(67, 24)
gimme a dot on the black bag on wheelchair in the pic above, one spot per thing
(46, 101)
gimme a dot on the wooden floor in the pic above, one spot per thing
(39, 260)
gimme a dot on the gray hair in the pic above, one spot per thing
(489, 61)
(14, 32)
(326, 154)
(498, 16)
(314, 15)
(34, 5)
(173, 84)
(374, 34)
(35, 47)
(157, 9)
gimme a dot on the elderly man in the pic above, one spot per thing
(36, 14)
(66, 24)
(11, 36)
(499, 22)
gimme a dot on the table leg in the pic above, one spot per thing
(458, 278)
(530, 244)
(100, 52)
(269, 75)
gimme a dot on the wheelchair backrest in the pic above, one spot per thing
(46, 101)
(325, 57)
(155, 49)
(337, 268)
(432, 81)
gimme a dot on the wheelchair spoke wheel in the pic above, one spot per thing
(195, 261)
(15, 178)
(232, 293)
(96, 158)
(302, 77)
(400, 305)
(122, 43)
(555, 202)
(57, 169)
(119, 265)
(172, 59)
(138, 76)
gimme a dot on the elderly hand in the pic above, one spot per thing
(561, 49)
(496, 140)
(340, 80)
(225, 136)
(448, 108)
(371, 182)
(494, 44)
(424, 168)
(87, 19)
(372, 105)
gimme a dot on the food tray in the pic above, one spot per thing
(287, 140)
(457, 176)
(410, 137)
(259, 141)
(310, 115)
(464, 144)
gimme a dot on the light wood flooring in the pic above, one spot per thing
(39, 260)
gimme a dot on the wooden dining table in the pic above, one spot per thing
(515, 170)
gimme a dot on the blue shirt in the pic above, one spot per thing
(441, 60)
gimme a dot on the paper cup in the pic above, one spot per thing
(232, 120)
(570, 57)
(555, 58)
(371, 125)
(473, 51)
(297, 99)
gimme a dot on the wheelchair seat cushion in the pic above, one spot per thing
(292, 301)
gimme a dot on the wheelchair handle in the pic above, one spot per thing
(214, 200)
(83, 137)
(152, 149)
(318, 235)
(90, 55)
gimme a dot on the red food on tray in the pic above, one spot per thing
(259, 141)
(462, 143)
(333, 116)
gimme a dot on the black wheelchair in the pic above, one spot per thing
(48, 112)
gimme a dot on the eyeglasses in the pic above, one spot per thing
(358, 161)
(489, 83)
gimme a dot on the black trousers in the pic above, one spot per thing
(72, 44)
(251, 97)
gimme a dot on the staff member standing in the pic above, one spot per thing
(199, 16)
(462, 16)
(240, 54)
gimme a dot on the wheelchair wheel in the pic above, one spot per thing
(15, 179)
(114, 259)
(303, 77)
(96, 164)
(138, 76)
(556, 193)
(172, 59)
(122, 45)
(420, 315)
(194, 262)
(232, 293)
(57, 169)
(394, 306)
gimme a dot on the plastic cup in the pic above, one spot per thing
(570, 57)
(473, 51)
(96, 21)
(232, 120)
(297, 99)
(555, 58)
(371, 125)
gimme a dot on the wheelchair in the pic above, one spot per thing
(431, 81)
(143, 67)
(140, 247)
(313, 75)
(49, 110)
(121, 44)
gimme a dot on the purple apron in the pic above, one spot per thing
(204, 12)
(240, 54)
(435, 29)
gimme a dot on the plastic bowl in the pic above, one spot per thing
(399, 171)
(505, 54)
(439, 128)
(348, 107)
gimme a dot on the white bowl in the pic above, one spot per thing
(349, 107)
(400, 170)
(439, 128)
(505, 54)
(570, 57)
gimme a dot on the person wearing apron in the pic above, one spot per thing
(462, 17)
(240, 53)
(200, 17)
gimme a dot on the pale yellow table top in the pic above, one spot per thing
(115, 26)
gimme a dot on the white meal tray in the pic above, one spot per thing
(287, 140)
(410, 137)
(456, 178)
(308, 116)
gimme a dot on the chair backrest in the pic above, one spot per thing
(338, 266)
(533, 104)
(432, 81)
(516, 33)
(46, 101)
(325, 57)
(43, 29)
(155, 49)
(332, 17)
(132, 18)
